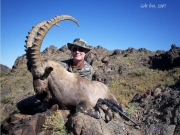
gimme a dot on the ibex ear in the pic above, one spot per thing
(46, 73)
(48, 69)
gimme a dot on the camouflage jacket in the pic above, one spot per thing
(86, 71)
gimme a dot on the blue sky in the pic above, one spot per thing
(113, 24)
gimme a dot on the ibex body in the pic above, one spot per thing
(54, 84)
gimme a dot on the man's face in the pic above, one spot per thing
(78, 53)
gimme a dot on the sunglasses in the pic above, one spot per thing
(80, 49)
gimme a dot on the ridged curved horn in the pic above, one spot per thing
(32, 34)
(29, 42)
(38, 70)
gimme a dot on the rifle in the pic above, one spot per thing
(114, 107)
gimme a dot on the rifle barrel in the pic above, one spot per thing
(114, 107)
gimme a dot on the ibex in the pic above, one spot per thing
(54, 84)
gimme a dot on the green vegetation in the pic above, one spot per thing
(131, 108)
(55, 123)
(1, 74)
(5, 101)
(15, 111)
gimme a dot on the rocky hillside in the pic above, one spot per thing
(150, 80)
(4, 69)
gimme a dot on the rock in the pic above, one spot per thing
(81, 124)
(117, 52)
(105, 59)
(142, 50)
(4, 69)
(136, 98)
(167, 60)
(160, 113)
(177, 130)
(64, 48)
(52, 49)
(50, 121)
(159, 129)
(54, 121)
(157, 91)
(89, 57)
(19, 61)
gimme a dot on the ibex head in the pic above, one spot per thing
(34, 42)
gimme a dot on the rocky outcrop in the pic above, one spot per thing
(4, 69)
(159, 110)
(166, 60)
(107, 64)
(156, 112)
(53, 121)
(50, 50)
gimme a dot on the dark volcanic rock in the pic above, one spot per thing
(160, 111)
(117, 52)
(166, 60)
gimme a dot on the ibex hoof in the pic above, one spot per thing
(43, 107)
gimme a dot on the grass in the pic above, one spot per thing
(1, 74)
(56, 124)
(141, 80)
(131, 107)
(5, 101)
(15, 111)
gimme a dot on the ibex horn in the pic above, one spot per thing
(29, 43)
(35, 55)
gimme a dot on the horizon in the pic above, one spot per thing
(93, 46)
(116, 24)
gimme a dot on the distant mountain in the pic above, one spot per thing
(4, 69)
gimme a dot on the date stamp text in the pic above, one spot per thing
(153, 6)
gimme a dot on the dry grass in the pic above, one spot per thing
(55, 124)
(140, 80)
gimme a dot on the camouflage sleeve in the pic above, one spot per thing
(87, 71)
(87, 74)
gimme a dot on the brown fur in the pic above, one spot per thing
(71, 90)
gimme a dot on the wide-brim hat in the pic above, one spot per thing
(79, 42)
